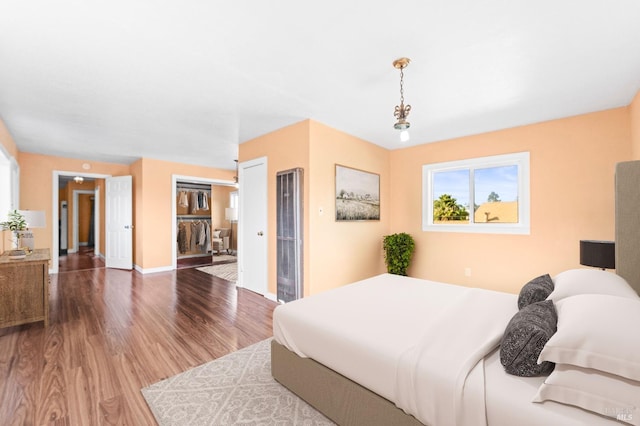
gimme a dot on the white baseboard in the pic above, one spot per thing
(271, 296)
(153, 270)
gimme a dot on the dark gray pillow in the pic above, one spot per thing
(536, 290)
(525, 336)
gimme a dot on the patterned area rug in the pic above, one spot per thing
(228, 271)
(223, 258)
(236, 389)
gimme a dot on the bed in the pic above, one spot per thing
(441, 359)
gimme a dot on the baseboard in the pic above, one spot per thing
(152, 270)
(271, 296)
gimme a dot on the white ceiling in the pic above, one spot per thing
(189, 80)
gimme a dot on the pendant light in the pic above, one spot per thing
(402, 111)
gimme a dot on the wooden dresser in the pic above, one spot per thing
(24, 289)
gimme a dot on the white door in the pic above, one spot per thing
(252, 229)
(118, 223)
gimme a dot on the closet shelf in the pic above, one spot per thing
(193, 216)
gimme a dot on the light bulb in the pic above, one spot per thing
(404, 136)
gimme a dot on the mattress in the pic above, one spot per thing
(361, 330)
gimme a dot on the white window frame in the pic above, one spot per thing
(10, 175)
(520, 159)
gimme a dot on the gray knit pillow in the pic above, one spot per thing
(536, 290)
(525, 336)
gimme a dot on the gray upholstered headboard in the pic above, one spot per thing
(628, 222)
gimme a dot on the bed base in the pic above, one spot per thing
(337, 397)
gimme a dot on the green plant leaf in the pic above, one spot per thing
(398, 250)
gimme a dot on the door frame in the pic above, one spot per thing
(55, 241)
(174, 207)
(76, 217)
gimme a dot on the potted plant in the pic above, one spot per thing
(15, 223)
(398, 249)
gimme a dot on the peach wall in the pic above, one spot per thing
(84, 217)
(343, 252)
(36, 186)
(285, 149)
(334, 253)
(218, 203)
(572, 198)
(634, 112)
(153, 206)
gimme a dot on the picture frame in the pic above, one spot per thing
(357, 195)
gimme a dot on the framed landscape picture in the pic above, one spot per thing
(357, 194)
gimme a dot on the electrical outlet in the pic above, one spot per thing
(467, 272)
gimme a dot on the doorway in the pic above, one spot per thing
(70, 190)
(185, 214)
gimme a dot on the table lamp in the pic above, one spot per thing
(600, 254)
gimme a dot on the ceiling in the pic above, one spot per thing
(189, 80)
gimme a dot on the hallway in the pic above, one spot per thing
(84, 259)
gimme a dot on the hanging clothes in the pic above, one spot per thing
(182, 238)
(205, 201)
(183, 199)
(194, 202)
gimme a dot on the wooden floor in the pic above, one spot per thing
(113, 332)
(85, 258)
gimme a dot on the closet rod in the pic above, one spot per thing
(198, 186)
(191, 219)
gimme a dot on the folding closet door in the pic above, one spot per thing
(289, 234)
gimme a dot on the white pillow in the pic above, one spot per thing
(597, 331)
(216, 234)
(593, 390)
(589, 281)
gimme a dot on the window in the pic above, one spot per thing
(483, 195)
(9, 173)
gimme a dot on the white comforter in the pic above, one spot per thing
(440, 380)
(411, 341)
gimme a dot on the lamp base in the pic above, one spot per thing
(17, 254)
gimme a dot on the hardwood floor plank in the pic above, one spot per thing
(53, 383)
(81, 398)
(113, 332)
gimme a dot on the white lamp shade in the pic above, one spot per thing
(34, 218)
(231, 214)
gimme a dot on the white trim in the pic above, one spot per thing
(96, 223)
(153, 270)
(273, 297)
(521, 159)
(174, 208)
(14, 180)
(55, 185)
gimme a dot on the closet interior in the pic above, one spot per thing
(205, 217)
(194, 219)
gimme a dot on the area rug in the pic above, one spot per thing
(237, 389)
(227, 271)
(223, 258)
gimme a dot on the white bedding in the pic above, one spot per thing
(440, 380)
(362, 331)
